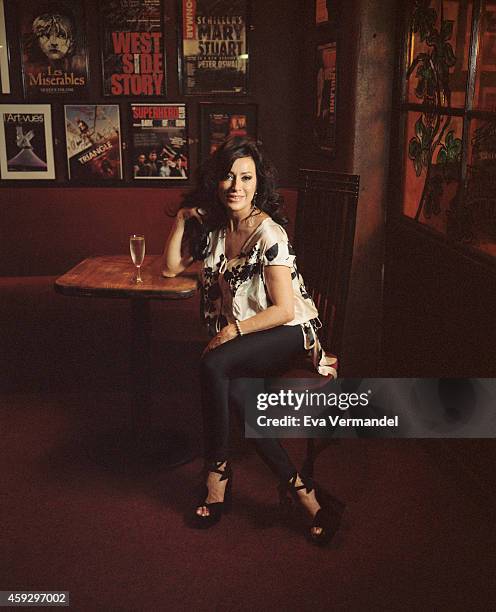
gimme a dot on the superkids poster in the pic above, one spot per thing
(159, 142)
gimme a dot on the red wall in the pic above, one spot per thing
(47, 231)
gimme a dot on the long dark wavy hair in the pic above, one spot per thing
(205, 194)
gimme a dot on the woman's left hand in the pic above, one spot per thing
(229, 332)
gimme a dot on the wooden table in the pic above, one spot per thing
(114, 277)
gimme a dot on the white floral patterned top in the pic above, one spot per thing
(234, 289)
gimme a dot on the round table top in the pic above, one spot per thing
(114, 276)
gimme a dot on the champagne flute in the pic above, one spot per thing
(137, 249)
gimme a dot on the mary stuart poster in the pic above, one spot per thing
(214, 46)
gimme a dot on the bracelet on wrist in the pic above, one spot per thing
(238, 327)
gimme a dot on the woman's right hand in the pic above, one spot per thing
(183, 214)
(176, 255)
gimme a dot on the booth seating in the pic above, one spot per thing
(50, 342)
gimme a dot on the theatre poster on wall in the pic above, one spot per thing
(4, 54)
(220, 121)
(159, 142)
(325, 112)
(133, 59)
(325, 12)
(214, 54)
(26, 148)
(93, 142)
(54, 49)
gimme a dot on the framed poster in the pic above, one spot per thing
(54, 49)
(219, 121)
(4, 54)
(488, 54)
(323, 11)
(325, 108)
(93, 142)
(159, 142)
(133, 59)
(214, 47)
(26, 148)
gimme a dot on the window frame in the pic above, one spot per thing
(401, 108)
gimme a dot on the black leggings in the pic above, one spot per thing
(261, 354)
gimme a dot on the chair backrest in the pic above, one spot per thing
(324, 235)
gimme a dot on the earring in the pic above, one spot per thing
(249, 219)
(254, 208)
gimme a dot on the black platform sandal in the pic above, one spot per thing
(215, 509)
(321, 520)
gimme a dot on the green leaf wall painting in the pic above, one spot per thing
(434, 150)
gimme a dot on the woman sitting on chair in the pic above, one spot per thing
(256, 309)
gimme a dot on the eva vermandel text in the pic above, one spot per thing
(332, 421)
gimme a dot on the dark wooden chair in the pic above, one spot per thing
(324, 236)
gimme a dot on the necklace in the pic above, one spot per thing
(249, 220)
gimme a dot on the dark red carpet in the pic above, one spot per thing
(417, 533)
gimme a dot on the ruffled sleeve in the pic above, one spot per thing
(276, 249)
(325, 363)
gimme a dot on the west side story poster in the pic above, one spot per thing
(159, 141)
(133, 61)
(93, 142)
(26, 150)
(54, 48)
(214, 45)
